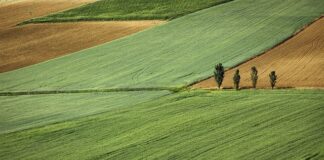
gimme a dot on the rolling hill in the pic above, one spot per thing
(122, 99)
(21, 46)
(176, 54)
(298, 62)
(24, 112)
(284, 124)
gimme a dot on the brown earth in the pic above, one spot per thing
(25, 45)
(14, 12)
(298, 62)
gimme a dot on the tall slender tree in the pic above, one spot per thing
(236, 79)
(273, 79)
(254, 76)
(219, 74)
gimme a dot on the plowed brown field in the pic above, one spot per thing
(21, 46)
(298, 62)
(13, 12)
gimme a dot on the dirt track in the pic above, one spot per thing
(299, 62)
(29, 44)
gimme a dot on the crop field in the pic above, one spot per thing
(22, 112)
(263, 124)
(176, 54)
(29, 44)
(34, 43)
(129, 10)
(128, 97)
(298, 62)
(27, 9)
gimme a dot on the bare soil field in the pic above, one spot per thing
(14, 12)
(25, 45)
(298, 62)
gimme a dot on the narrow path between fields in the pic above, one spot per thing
(20, 93)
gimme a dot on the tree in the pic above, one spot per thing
(236, 80)
(219, 74)
(273, 79)
(254, 76)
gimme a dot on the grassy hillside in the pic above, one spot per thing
(130, 10)
(18, 113)
(282, 124)
(175, 54)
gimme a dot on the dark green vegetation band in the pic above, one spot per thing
(19, 93)
(112, 10)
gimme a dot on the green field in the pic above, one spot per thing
(282, 124)
(21, 112)
(175, 54)
(123, 99)
(129, 10)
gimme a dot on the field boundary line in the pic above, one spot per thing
(149, 89)
(21, 93)
(257, 89)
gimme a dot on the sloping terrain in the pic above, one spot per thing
(129, 10)
(298, 62)
(24, 112)
(26, 45)
(31, 44)
(175, 54)
(283, 124)
(14, 12)
(63, 123)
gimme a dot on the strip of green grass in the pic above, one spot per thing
(22, 112)
(129, 10)
(285, 124)
(176, 54)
